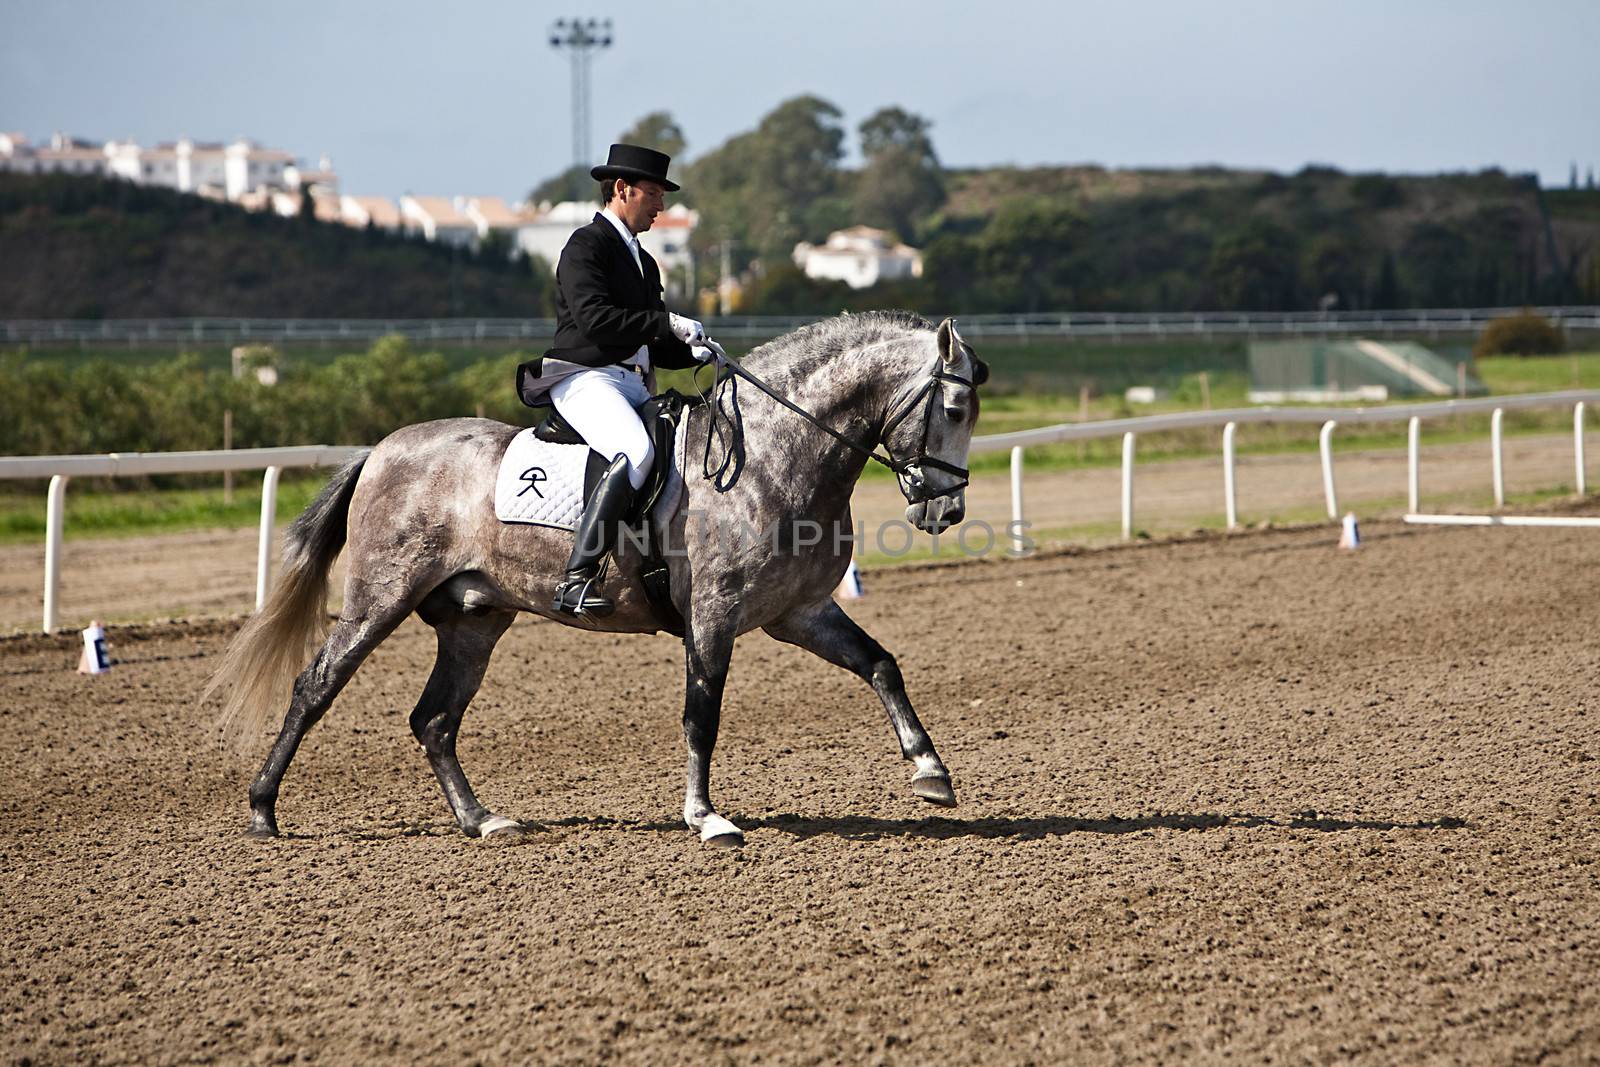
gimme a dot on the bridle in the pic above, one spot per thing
(914, 484)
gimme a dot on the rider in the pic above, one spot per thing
(612, 327)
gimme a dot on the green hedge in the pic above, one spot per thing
(48, 407)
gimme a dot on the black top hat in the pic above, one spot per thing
(635, 163)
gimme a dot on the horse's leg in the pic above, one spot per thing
(708, 648)
(360, 628)
(465, 645)
(824, 628)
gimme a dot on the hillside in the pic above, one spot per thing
(1215, 239)
(80, 247)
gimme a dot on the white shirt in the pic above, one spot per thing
(641, 358)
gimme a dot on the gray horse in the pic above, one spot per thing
(765, 551)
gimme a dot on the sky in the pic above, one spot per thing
(469, 98)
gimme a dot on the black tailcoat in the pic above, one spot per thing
(605, 309)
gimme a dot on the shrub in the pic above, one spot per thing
(1526, 333)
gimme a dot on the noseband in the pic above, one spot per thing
(913, 484)
(916, 488)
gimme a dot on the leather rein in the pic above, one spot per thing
(910, 470)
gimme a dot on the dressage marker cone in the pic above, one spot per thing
(94, 659)
(850, 584)
(1350, 537)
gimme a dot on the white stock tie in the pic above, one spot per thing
(633, 247)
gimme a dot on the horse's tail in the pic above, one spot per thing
(271, 648)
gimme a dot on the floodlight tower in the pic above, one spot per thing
(580, 38)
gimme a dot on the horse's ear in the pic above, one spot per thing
(952, 348)
(948, 353)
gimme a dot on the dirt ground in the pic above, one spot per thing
(1247, 798)
(213, 572)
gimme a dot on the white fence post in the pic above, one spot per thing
(1496, 440)
(1413, 481)
(1577, 448)
(269, 512)
(1325, 444)
(1017, 527)
(1127, 485)
(1230, 501)
(54, 518)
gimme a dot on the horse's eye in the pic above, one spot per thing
(955, 414)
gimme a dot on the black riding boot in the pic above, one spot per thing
(595, 536)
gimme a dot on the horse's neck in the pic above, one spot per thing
(853, 390)
(851, 393)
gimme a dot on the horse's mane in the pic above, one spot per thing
(820, 341)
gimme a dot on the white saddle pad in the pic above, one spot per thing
(540, 484)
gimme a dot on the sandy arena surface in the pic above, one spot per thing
(1249, 798)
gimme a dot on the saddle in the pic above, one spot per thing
(660, 415)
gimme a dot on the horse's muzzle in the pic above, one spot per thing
(938, 514)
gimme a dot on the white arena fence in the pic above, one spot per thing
(273, 460)
(1178, 325)
(1329, 417)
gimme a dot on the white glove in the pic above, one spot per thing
(689, 331)
(702, 353)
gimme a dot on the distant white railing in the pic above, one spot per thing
(60, 468)
(1115, 325)
(129, 464)
(1329, 417)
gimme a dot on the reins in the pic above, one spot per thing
(909, 469)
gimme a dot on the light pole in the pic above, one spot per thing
(580, 38)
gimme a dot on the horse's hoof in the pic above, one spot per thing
(261, 830)
(499, 830)
(935, 789)
(720, 833)
(512, 836)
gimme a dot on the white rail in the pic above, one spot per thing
(1330, 418)
(59, 469)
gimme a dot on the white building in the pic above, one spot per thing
(544, 233)
(247, 166)
(16, 154)
(322, 177)
(362, 211)
(327, 206)
(490, 214)
(860, 256)
(65, 155)
(202, 166)
(437, 219)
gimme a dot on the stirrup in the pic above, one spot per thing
(577, 596)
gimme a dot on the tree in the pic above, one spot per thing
(1438, 261)
(1386, 290)
(573, 183)
(902, 182)
(1252, 268)
(1333, 265)
(786, 290)
(1025, 260)
(658, 130)
(770, 188)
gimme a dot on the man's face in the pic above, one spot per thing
(641, 202)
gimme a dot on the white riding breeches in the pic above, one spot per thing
(600, 404)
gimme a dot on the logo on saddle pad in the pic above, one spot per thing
(533, 476)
